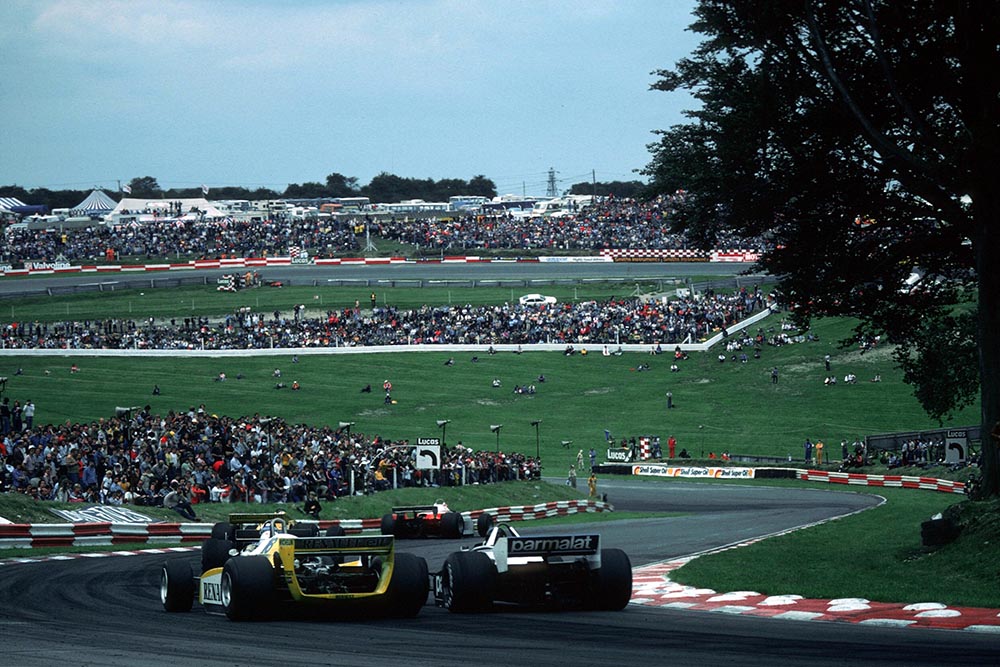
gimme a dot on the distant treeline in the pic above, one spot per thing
(382, 188)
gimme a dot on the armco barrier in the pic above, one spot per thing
(851, 478)
(898, 481)
(25, 535)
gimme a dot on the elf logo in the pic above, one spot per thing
(211, 592)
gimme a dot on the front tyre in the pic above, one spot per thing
(177, 586)
(247, 587)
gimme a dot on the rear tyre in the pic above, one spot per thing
(388, 524)
(224, 531)
(612, 584)
(468, 582)
(304, 530)
(409, 586)
(484, 524)
(453, 525)
(177, 586)
(335, 531)
(214, 553)
(247, 587)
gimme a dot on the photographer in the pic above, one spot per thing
(178, 500)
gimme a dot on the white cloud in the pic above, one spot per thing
(124, 24)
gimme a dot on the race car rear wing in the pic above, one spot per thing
(256, 518)
(554, 549)
(350, 545)
(415, 509)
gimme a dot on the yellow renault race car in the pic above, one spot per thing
(256, 563)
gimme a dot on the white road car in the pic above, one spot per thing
(561, 571)
(536, 300)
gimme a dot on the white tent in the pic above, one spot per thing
(167, 209)
(7, 203)
(96, 204)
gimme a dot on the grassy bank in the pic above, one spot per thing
(718, 406)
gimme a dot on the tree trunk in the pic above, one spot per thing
(986, 212)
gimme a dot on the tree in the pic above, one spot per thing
(860, 137)
(308, 190)
(480, 186)
(338, 185)
(625, 189)
(144, 186)
(386, 187)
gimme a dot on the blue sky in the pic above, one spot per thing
(269, 93)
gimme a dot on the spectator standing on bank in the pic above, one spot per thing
(774, 375)
(29, 414)
(592, 484)
(5, 416)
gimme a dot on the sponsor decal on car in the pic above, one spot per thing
(570, 544)
(373, 542)
(211, 589)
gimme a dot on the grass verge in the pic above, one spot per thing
(876, 554)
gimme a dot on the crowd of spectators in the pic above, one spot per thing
(614, 321)
(159, 240)
(606, 224)
(146, 459)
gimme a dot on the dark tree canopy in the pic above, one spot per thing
(391, 188)
(144, 186)
(339, 185)
(625, 189)
(861, 138)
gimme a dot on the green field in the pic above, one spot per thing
(730, 406)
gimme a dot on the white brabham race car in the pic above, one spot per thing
(256, 563)
(544, 571)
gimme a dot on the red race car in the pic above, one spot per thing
(424, 521)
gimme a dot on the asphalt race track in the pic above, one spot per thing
(106, 611)
(322, 275)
